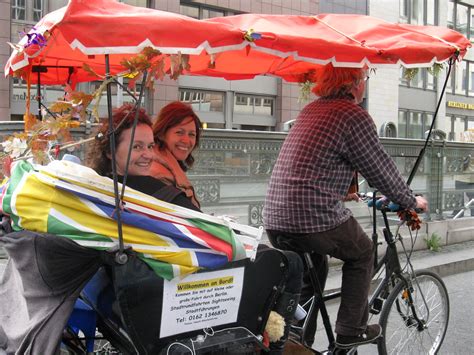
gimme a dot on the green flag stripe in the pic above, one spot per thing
(220, 231)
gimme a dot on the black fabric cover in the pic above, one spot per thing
(39, 287)
(46, 273)
(139, 292)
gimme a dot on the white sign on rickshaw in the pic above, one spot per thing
(201, 300)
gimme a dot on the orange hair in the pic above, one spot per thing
(332, 80)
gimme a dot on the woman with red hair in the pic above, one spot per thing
(177, 131)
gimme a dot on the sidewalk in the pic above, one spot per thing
(451, 259)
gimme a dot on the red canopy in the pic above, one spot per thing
(83, 31)
(285, 46)
(290, 46)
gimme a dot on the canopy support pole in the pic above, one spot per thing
(38, 69)
(38, 96)
(120, 256)
(422, 151)
(132, 136)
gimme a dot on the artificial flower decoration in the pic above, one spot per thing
(411, 218)
(35, 38)
(30, 46)
(14, 147)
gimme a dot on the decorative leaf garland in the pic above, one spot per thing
(410, 73)
(52, 134)
(306, 83)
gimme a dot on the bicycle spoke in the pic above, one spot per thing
(422, 332)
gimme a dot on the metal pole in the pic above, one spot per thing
(132, 136)
(38, 95)
(120, 257)
(38, 69)
(422, 152)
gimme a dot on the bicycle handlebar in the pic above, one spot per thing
(385, 203)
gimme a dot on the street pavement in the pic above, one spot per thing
(458, 340)
(455, 263)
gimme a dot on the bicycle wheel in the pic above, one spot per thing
(403, 334)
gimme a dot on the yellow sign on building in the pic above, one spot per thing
(463, 105)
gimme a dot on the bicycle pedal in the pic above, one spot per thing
(376, 306)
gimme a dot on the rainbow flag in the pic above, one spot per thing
(73, 201)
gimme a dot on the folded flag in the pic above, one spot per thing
(73, 201)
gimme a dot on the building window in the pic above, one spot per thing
(204, 101)
(404, 11)
(422, 80)
(254, 105)
(462, 13)
(451, 14)
(418, 79)
(388, 129)
(470, 78)
(200, 11)
(460, 127)
(210, 13)
(471, 23)
(461, 18)
(419, 12)
(413, 124)
(120, 94)
(37, 10)
(431, 18)
(430, 83)
(402, 124)
(139, 3)
(460, 78)
(18, 10)
(416, 16)
(188, 10)
(461, 81)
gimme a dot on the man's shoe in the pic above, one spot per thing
(371, 333)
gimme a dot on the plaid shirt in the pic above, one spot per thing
(332, 138)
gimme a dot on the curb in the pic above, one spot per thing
(451, 259)
(452, 268)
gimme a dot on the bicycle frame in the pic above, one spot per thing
(393, 271)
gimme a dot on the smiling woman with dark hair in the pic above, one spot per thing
(141, 157)
(99, 153)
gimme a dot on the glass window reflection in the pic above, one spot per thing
(461, 18)
(204, 101)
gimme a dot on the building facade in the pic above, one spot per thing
(401, 108)
(416, 100)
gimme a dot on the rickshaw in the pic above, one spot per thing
(120, 299)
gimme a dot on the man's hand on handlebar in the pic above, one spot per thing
(421, 203)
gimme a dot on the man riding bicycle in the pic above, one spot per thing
(332, 138)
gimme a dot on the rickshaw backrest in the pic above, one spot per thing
(140, 292)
